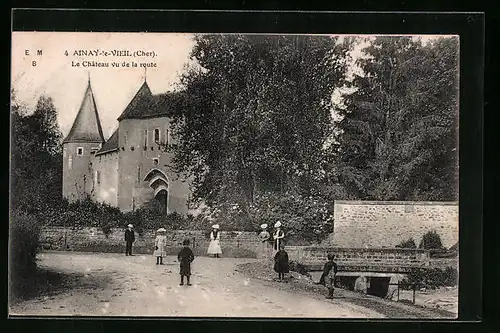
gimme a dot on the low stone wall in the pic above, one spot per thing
(89, 239)
(360, 258)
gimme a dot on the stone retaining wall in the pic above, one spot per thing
(376, 224)
(83, 239)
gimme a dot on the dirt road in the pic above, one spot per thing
(116, 285)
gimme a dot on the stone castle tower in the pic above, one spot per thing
(84, 139)
(131, 167)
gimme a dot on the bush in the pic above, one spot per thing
(431, 241)
(307, 219)
(87, 213)
(431, 277)
(407, 244)
(24, 232)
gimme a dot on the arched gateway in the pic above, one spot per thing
(158, 181)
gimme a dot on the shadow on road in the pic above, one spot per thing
(42, 282)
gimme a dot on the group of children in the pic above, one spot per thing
(185, 256)
(281, 266)
(281, 263)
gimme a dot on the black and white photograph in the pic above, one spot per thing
(234, 175)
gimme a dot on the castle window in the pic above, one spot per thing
(157, 135)
(138, 173)
(79, 151)
(166, 136)
(70, 162)
(156, 161)
(98, 177)
(125, 138)
(145, 138)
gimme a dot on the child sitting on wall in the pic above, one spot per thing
(185, 257)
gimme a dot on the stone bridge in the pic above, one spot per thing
(381, 260)
(375, 267)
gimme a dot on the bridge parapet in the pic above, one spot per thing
(394, 260)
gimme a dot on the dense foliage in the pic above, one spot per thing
(431, 278)
(35, 180)
(253, 126)
(88, 213)
(399, 127)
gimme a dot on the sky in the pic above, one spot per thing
(56, 75)
(113, 88)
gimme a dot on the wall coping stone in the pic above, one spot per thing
(399, 203)
(354, 249)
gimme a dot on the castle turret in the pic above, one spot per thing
(79, 147)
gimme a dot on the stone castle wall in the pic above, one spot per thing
(376, 224)
(137, 156)
(105, 185)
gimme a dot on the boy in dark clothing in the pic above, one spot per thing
(281, 262)
(185, 257)
(129, 239)
(328, 277)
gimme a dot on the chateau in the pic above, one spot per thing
(131, 167)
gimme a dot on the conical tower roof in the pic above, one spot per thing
(87, 126)
(141, 105)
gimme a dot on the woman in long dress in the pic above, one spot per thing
(160, 244)
(214, 246)
(264, 237)
(278, 236)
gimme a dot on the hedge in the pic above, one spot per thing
(432, 277)
(24, 233)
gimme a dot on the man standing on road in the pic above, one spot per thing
(129, 239)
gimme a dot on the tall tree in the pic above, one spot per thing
(36, 171)
(399, 127)
(257, 114)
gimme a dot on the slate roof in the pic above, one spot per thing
(146, 105)
(87, 126)
(110, 145)
(143, 105)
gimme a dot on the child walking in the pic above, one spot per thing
(185, 257)
(281, 262)
(328, 276)
(160, 244)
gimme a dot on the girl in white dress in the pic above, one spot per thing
(278, 236)
(265, 246)
(160, 244)
(214, 246)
